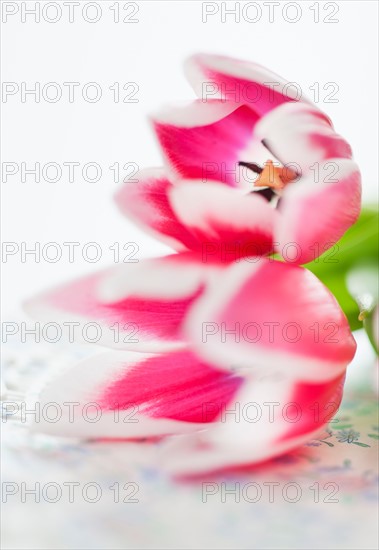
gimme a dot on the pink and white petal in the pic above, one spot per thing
(216, 76)
(169, 278)
(129, 395)
(258, 425)
(145, 202)
(174, 385)
(206, 141)
(134, 321)
(271, 317)
(226, 223)
(311, 406)
(300, 136)
(315, 215)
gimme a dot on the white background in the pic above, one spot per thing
(150, 53)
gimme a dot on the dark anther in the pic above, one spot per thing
(267, 193)
(251, 166)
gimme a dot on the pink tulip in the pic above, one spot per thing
(269, 142)
(230, 358)
(219, 324)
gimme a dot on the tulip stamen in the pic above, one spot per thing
(251, 166)
(271, 176)
(267, 193)
(275, 177)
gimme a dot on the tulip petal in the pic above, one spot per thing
(216, 76)
(315, 215)
(146, 202)
(311, 406)
(175, 385)
(207, 141)
(299, 136)
(133, 321)
(267, 418)
(271, 316)
(170, 278)
(226, 223)
(130, 395)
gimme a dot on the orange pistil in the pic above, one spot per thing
(274, 176)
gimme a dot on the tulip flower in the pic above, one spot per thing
(220, 324)
(263, 335)
(272, 143)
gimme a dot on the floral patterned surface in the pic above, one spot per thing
(323, 496)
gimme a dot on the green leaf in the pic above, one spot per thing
(360, 444)
(356, 252)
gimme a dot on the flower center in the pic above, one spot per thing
(274, 177)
